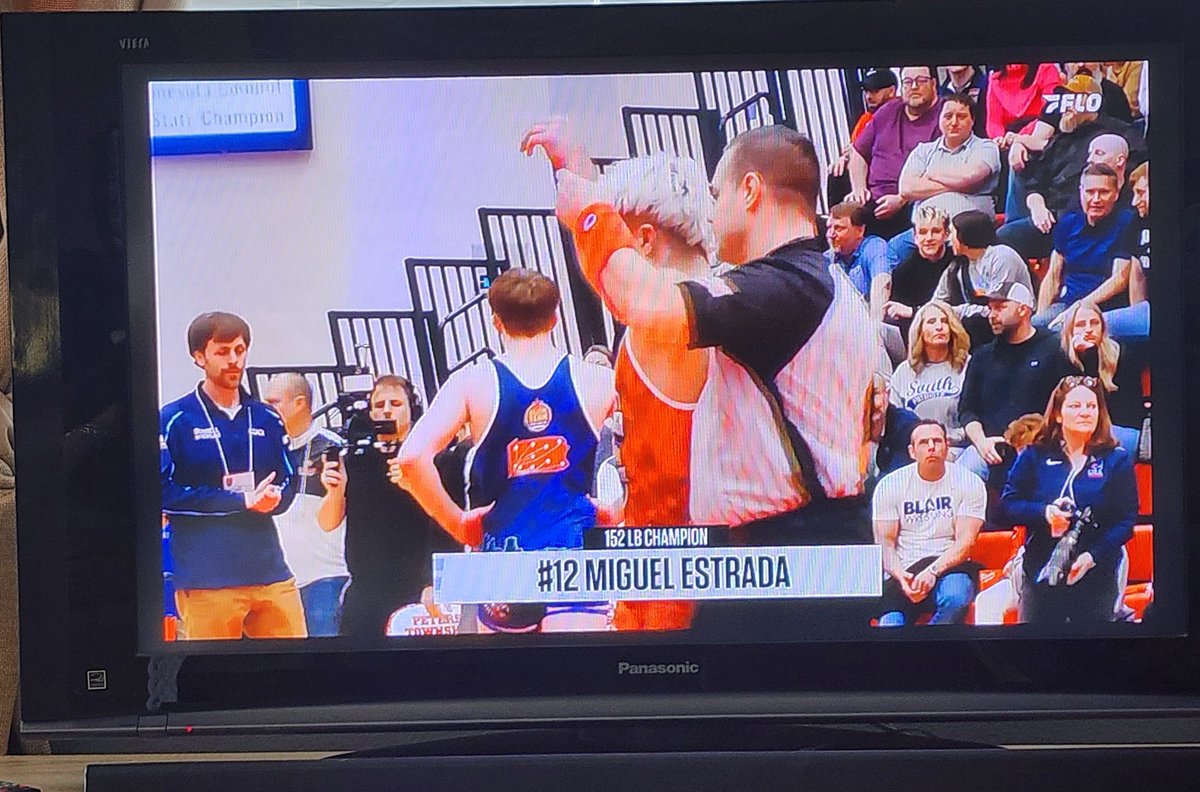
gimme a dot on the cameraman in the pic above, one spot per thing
(389, 538)
(1073, 463)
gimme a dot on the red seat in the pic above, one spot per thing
(1139, 590)
(993, 550)
(1144, 478)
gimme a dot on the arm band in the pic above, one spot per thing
(600, 232)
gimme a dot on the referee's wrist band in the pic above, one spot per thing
(600, 232)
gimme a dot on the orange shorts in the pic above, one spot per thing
(273, 610)
(657, 615)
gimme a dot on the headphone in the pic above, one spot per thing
(416, 408)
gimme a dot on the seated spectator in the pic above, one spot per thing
(1008, 378)
(912, 282)
(879, 153)
(929, 382)
(851, 249)
(980, 266)
(1051, 179)
(1128, 75)
(1107, 149)
(1133, 321)
(1090, 261)
(1075, 463)
(1113, 151)
(926, 517)
(1113, 101)
(972, 81)
(957, 172)
(1092, 351)
(1015, 94)
(878, 86)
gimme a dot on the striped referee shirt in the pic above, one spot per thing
(783, 417)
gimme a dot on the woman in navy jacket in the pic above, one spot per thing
(1073, 462)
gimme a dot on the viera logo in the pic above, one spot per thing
(658, 669)
(134, 43)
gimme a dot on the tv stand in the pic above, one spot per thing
(709, 758)
(716, 737)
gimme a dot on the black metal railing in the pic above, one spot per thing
(693, 133)
(468, 332)
(388, 342)
(534, 239)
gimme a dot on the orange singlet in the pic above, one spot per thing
(656, 455)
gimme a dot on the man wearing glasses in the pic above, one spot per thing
(879, 153)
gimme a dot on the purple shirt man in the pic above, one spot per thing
(889, 138)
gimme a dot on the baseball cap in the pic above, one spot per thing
(1014, 291)
(876, 79)
(1079, 84)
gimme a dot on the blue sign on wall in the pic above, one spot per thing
(226, 116)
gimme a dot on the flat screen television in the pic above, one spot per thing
(383, 370)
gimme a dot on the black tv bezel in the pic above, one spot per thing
(38, 76)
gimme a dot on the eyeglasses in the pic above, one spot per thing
(1087, 382)
(910, 82)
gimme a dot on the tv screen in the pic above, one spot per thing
(543, 354)
(653, 356)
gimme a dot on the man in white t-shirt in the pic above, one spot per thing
(926, 517)
(316, 557)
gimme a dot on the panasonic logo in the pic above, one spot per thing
(134, 43)
(657, 669)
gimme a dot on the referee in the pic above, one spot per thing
(224, 472)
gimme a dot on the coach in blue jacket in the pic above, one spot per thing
(224, 472)
(1074, 460)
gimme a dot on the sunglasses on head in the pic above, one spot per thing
(1087, 382)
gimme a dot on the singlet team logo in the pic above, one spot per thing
(538, 416)
(538, 455)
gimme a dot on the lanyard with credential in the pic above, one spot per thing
(217, 435)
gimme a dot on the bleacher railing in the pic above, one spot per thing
(534, 239)
(453, 290)
(469, 334)
(388, 342)
(694, 133)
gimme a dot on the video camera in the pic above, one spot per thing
(358, 430)
(1055, 571)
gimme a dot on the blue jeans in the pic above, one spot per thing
(1128, 438)
(972, 461)
(952, 595)
(1014, 199)
(1048, 314)
(1025, 238)
(323, 606)
(1131, 322)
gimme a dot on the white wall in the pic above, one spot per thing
(398, 169)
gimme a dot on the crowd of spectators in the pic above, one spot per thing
(997, 221)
